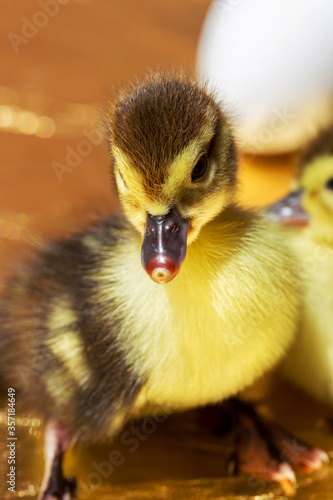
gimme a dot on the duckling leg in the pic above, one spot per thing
(283, 446)
(257, 453)
(299, 453)
(270, 452)
(54, 486)
(264, 449)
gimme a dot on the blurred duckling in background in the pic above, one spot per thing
(309, 363)
(182, 301)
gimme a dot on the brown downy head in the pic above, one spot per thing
(174, 162)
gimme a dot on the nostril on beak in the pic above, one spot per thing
(173, 229)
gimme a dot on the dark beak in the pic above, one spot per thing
(289, 210)
(164, 245)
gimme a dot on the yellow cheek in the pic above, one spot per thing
(134, 214)
(205, 212)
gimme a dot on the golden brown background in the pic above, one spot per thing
(50, 89)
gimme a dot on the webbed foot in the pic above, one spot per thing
(263, 449)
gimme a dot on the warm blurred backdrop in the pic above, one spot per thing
(58, 58)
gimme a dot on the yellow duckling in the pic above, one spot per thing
(309, 363)
(182, 301)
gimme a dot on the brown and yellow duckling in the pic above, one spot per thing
(180, 302)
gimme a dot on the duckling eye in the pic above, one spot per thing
(329, 184)
(200, 168)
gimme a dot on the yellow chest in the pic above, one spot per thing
(205, 335)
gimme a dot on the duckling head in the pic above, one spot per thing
(316, 182)
(174, 162)
(311, 199)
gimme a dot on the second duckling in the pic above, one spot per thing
(309, 363)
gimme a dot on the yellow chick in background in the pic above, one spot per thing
(309, 363)
(182, 301)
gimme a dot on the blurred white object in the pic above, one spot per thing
(271, 61)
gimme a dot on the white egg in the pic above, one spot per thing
(272, 64)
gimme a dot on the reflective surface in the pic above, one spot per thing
(175, 458)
